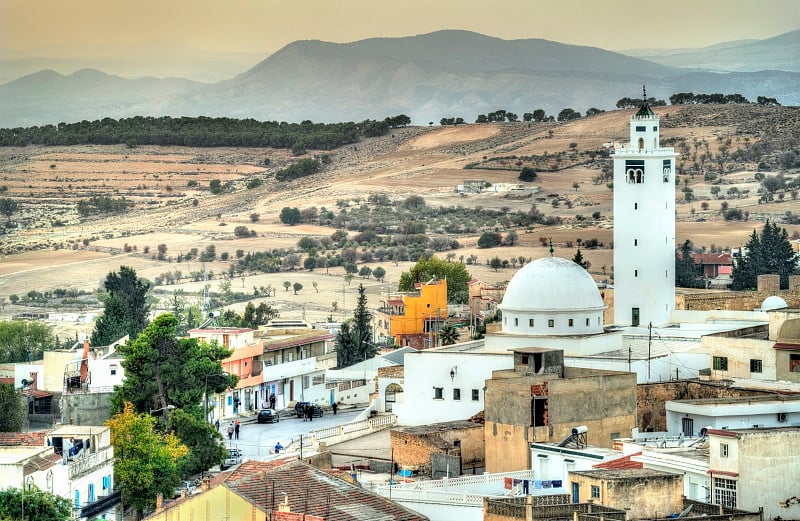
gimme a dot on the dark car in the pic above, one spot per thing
(300, 407)
(268, 416)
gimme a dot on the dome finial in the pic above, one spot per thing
(644, 92)
(551, 247)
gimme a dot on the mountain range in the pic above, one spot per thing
(448, 73)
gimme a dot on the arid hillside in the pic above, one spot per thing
(727, 156)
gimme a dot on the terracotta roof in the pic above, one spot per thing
(621, 463)
(713, 258)
(722, 432)
(40, 463)
(786, 346)
(312, 491)
(36, 393)
(28, 439)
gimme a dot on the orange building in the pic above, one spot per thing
(414, 318)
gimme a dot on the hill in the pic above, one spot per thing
(428, 77)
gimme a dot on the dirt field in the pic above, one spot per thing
(52, 247)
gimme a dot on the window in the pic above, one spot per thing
(113, 369)
(505, 321)
(687, 426)
(524, 359)
(587, 322)
(794, 363)
(725, 492)
(570, 322)
(635, 206)
(456, 394)
(755, 366)
(639, 128)
(306, 382)
(551, 323)
(530, 322)
(723, 450)
(476, 395)
(655, 129)
(636, 242)
(635, 273)
(516, 322)
(438, 393)
(595, 492)
(720, 363)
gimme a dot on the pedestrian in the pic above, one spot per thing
(271, 401)
(230, 431)
(310, 412)
(335, 407)
(236, 429)
(305, 413)
(216, 424)
(278, 448)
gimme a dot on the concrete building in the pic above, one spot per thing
(413, 318)
(644, 225)
(439, 450)
(543, 400)
(690, 417)
(73, 462)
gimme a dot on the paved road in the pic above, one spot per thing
(257, 440)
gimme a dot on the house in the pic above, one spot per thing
(484, 297)
(543, 400)
(711, 264)
(413, 318)
(642, 493)
(257, 490)
(692, 417)
(73, 462)
(440, 449)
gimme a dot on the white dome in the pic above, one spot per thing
(552, 296)
(773, 302)
(552, 284)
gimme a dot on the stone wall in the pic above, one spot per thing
(414, 447)
(733, 300)
(85, 408)
(651, 399)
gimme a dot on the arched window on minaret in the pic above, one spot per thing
(641, 143)
(655, 142)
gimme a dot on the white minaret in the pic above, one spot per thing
(644, 225)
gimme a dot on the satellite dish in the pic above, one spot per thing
(26, 383)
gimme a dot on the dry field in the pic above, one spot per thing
(54, 248)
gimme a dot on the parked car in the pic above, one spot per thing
(299, 407)
(185, 485)
(234, 458)
(268, 416)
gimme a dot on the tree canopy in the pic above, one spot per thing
(126, 308)
(354, 339)
(425, 269)
(13, 406)
(687, 274)
(146, 461)
(768, 253)
(23, 341)
(33, 504)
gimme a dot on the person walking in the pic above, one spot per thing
(230, 431)
(335, 407)
(216, 424)
(236, 429)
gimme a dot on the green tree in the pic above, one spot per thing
(286, 285)
(297, 287)
(354, 339)
(579, 260)
(489, 240)
(195, 434)
(527, 174)
(290, 216)
(769, 253)
(495, 263)
(255, 316)
(448, 335)
(126, 308)
(379, 273)
(146, 461)
(162, 370)
(24, 341)
(8, 207)
(426, 269)
(33, 504)
(215, 185)
(12, 404)
(686, 271)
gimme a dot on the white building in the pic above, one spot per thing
(692, 417)
(644, 225)
(73, 462)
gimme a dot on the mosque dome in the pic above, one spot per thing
(552, 296)
(773, 302)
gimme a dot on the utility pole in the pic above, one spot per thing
(649, 344)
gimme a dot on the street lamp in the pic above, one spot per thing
(205, 391)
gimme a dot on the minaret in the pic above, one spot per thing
(644, 225)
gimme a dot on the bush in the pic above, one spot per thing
(489, 240)
(527, 174)
(302, 168)
(241, 231)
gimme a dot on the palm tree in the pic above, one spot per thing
(448, 335)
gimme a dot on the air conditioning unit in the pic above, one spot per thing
(782, 417)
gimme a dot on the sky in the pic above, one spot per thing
(264, 26)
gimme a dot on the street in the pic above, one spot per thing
(256, 441)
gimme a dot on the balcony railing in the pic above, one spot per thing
(101, 505)
(84, 464)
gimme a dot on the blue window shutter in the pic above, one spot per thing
(77, 499)
(91, 492)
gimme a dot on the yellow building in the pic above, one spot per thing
(414, 318)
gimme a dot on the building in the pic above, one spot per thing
(644, 225)
(439, 450)
(257, 490)
(415, 318)
(484, 297)
(543, 400)
(643, 493)
(693, 417)
(73, 462)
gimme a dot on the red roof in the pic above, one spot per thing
(786, 346)
(28, 439)
(722, 432)
(712, 258)
(621, 463)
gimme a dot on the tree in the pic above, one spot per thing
(354, 339)
(286, 285)
(379, 273)
(215, 186)
(425, 269)
(195, 434)
(297, 287)
(580, 261)
(576, 185)
(489, 240)
(495, 263)
(448, 335)
(527, 174)
(146, 461)
(255, 316)
(290, 216)
(365, 272)
(686, 271)
(162, 370)
(769, 253)
(315, 284)
(8, 207)
(24, 341)
(12, 404)
(33, 504)
(568, 114)
(126, 308)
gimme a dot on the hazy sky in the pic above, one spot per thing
(263, 26)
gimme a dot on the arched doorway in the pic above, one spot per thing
(393, 394)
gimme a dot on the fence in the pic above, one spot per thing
(341, 433)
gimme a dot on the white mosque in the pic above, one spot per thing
(554, 303)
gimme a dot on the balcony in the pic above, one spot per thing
(102, 504)
(289, 369)
(84, 464)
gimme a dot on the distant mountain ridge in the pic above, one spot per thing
(442, 74)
